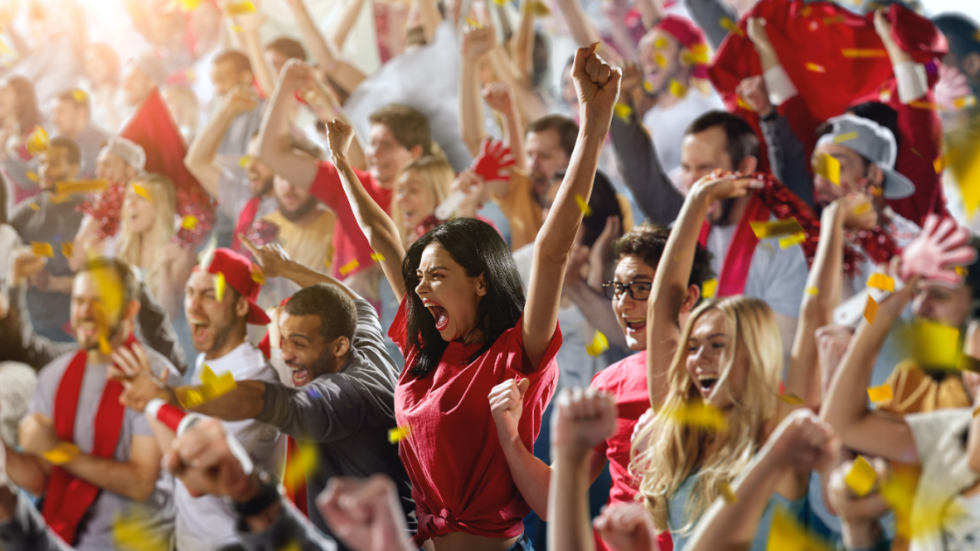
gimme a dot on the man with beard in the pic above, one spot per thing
(331, 341)
(244, 199)
(49, 220)
(90, 457)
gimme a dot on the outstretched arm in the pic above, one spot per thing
(583, 30)
(274, 149)
(598, 87)
(346, 22)
(203, 152)
(343, 73)
(250, 25)
(473, 47)
(276, 263)
(500, 97)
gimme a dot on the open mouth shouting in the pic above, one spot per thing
(635, 325)
(301, 375)
(200, 329)
(438, 313)
(707, 383)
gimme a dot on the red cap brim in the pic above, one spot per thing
(256, 315)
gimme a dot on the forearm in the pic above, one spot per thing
(348, 18)
(527, 99)
(598, 310)
(320, 49)
(124, 478)
(25, 471)
(274, 147)
(531, 475)
(861, 535)
(261, 70)
(431, 18)
(305, 277)
(640, 166)
(568, 501)
(523, 42)
(515, 137)
(204, 150)
(733, 525)
(651, 11)
(471, 128)
(244, 402)
(327, 108)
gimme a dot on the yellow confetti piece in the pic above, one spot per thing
(709, 288)
(583, 205)
(699, 54)
(933, 345)
(39, 248)
(862, 208)
(238, 29)
(812, 291)
(62, 453)
(815, 68)
(328, 262)
(473, 23)
(398, 434)
(792, 399)
(79, 95)
(776, 228)
(219, 286)
(846, 137)
(792, 240)
(741, 103)
(240, 8)
(786, 534)
(725, 490)
(647, 87)
(730, 26)
(697, 414)
(109, 288)
(132, 532)
(927, 105)
(189, 5)
(500, 2)
(598, 345)
(660, 59)
(538, 8)
(35, 206)
(881, 281)
(661, 42)
(863, 52)
(244, 160)
(976, 411)
(215, 385)
(961, 271)
(104, 346)
(349, 267)
(939, 164)
(32, 176)
(189, 222)
(71, 187)
(624, 112)
(968, 101)
(828, 167)
(258, 275)
(881, 393)
(834, 20)
(38, 141)
(870, 310)
(67, 249)
(677, 89)
(141, 191)
(861, 477)
(377, 257)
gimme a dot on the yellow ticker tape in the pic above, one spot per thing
(624, 112)
(881, 393)
(863, 52)
(660, 43)
(698, 414)
(132, 532)
(828, 167)
(79, 95)
(70, 187)
(968, 101)
(881, 281)
(792, 399)
(212, 386)
(776, 228)
(698, 54)
(741, 103)
(709, 288)
(67, 249)
(398, 434)
(862, 208)
(258, 275)
(240, 8)
(377, 257)
(786, 534)
(189, 222)
(32, 176)
(598, 345)
(34, 206)
(39, 248)
(934, 345)
(870, 310)
(730, 26)
(727, 494)
(583, 205)
(37, 141)
(812, 291)
(660, 59)
(104, 346)
(109, 287)
(190, 5)
(939, 164)
(538, 9)
(835, 19)
(219, 286)
(927, 105)
(815, 68)
(861, 477)
(792, 240)
(141, 191)
(677, 89)
(349, 267)
(648, 87)
(62, 453)
(846, 137)
(244, 160)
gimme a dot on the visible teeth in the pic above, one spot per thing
(636, 321)
(707, 377)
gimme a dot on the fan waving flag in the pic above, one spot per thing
(153, 127)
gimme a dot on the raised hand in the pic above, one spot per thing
(803, 442)
(296, 75)
(850, 507)
(493, 161)
(271, 257)
(627, 528)
(597, 85)
(473, 188)
(753, 90)
(937, 251)
(339, 137)
(24, 265)
(719, 185)
(506, 405)
(498, 96)
(131, 367)
(582, 420)
(206, 461)
(476, 42)
(240, 99)
(364, 513)
(756, 28)
(858, 211)
(883, 27)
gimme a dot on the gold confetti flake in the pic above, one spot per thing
(828, 167)
(141, 191)
(792, 240)
(863, 52)
(727, 493)
(240, 8)
(697, 414)
(815, 68)
(377, 257)
(71, 187)
(598, 345)
(583, 205)
(189, 222)
(812, 291)
(776, 228)
(39, 248)
(870, 310)
(398, 434)
(349, 267)
(861, 477)
(709, 288)
(624, 112)
(846, 137)
(677, 89)
(67, 249)
(881, 393)
(219, 286)
(38, 141)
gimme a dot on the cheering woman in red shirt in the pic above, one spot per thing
(463, 328)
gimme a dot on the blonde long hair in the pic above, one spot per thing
(674, 451)
(161, 189)
(436, 174)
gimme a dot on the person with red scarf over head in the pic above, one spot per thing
(90, 457)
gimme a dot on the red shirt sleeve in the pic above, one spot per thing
(398, 332)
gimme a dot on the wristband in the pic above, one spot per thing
(62, 453)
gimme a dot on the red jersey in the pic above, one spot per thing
(460, 478)
(349, 242)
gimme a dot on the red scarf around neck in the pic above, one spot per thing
(68, 498)
(738, 258)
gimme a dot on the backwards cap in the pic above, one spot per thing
(690, 37)
(130, 152)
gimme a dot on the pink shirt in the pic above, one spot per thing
(460, 478)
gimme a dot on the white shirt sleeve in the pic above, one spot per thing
(780, 87)
(912, 81)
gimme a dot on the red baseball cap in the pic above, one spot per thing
(237, 271)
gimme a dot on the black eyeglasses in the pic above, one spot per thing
(638, 290)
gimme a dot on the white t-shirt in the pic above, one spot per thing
(666, 125)
(776, 275)
(206, 523)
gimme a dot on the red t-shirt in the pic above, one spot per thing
(349, 242)
(627, 382)
(460, 478)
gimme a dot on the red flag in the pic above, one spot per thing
(153, 127)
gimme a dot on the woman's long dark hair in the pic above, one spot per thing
(479, 249)
(28, 113)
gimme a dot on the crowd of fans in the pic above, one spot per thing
(636, 275)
